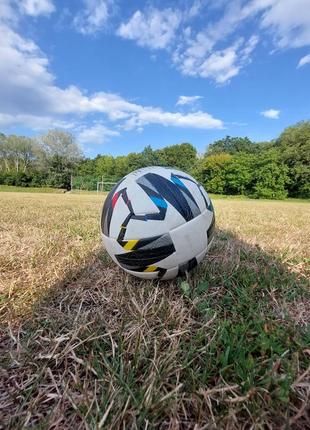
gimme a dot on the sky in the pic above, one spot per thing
(120, 75)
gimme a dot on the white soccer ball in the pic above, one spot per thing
(157, 222)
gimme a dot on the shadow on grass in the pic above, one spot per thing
(224, 348)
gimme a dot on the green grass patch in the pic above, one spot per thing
(85, 345)
(243, 197)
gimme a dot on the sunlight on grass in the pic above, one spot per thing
(86, 345)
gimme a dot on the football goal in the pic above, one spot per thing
(91, 184)
(104, 186)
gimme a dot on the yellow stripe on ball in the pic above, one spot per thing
(150, 269)
(130, 244)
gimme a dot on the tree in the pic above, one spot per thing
(16, 152)
(231, 145)
(239, 173)
(211, 171)
(232, 165)
(86, 167)
(59, 172)
(105, 166)
(146, 158)
(62, 144)
(134, 160)
(22, 150)
(121, 166)
(181, 156)
(270, 176)
(294, 147)
(149, 157)
(4, 154)
(60, 155)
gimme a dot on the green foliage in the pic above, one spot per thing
(48, 160)
(231, 145)
(239, 173)
(121, 166)
(16, 153)
(266, 170)
(212, 171)
(59, 172)
(61, 144)
(232, 165)
(271, 176)
(180, 156)
(86, 167)
(105, 166)
(183, 156)
(294, 146)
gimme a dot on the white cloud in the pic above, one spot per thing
(97, 133)
(34, 122)
(219, 65)
(36, 7)
(271, 113)
(198, 55)
(93, 17)
(195, 9)
(215, 51)
(29, 95)
(289, 21)
(187, 100)
(303, 61)
(154, 28)
(150, 115)
(6, 11)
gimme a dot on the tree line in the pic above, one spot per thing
(232, 165)
(47, 160)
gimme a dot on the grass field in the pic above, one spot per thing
(11, 188)
(85, 346)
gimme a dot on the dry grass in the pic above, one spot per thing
(85, 346)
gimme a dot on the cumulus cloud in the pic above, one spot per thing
(35, 122)
(215, 51)
(150, 115)
(271, 113)
(195, 9)
(153, 28)
(187, 100)
(288, 20)
(219, 65)
(12, 10)
(37, 7)
(93, 17)
(303, 61)
(29, 95)
(97, 133)
(6, 11)
(195, 52)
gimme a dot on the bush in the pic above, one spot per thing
(18, 179)
(271, 176)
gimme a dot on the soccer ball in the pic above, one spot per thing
(157, 222)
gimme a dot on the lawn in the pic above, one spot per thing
(85, 346)
(11, 188)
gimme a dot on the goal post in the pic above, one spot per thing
(91, 184)
(104, 186)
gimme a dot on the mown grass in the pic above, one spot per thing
(85, 346)
(11, 188)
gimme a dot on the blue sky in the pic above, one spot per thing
(121, 75)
